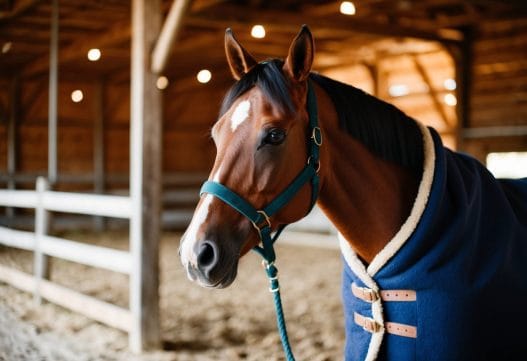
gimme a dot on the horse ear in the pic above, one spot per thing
(300, 58)
(240, 61)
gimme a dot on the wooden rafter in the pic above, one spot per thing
(115, 34)
(431, 90)
(229, 14)
(19, 7)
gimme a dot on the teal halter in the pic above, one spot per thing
(260, 219)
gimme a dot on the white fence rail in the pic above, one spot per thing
(42, 244)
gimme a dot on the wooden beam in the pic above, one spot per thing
(20, 7)
(373, 72)
(168, 35)
(41, 265)
(12, 138)
(98, 147)
(462, 55)
(228, 15)
(53, 93)
(433, 94)
(495, 131)
(119, 32)
(104, 312)
(145, 177)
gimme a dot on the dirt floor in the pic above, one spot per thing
(237, 323)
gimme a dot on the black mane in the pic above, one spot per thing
(384, 129)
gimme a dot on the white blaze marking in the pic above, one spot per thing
(191, 234)
(240, 114)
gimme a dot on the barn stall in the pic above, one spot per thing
(105, 109)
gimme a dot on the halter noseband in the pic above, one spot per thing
(260, 219)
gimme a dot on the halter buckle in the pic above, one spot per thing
(266, 222)
(317, 136)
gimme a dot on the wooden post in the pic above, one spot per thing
(462, 56)
(53, 93)
(98, 148)
(373, 71)
(14, 98)
(40, 261)
(145, 178)
(433, 94)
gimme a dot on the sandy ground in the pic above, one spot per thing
(237, 323)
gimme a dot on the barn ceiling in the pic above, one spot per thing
(367, 35)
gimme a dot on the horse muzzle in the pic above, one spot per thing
(210, 266)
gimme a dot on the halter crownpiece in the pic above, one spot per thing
(260, 219)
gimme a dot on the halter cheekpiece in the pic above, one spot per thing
(261, 219)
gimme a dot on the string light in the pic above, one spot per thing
(162, 82)
(204, 76)
(94, 54)
(347, 8)
(450, 84)
(77, 96)
(398, 90)
(450, 99)
(258, 32)
(6, 47)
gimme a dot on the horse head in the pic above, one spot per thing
(261, 145)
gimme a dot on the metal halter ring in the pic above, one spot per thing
(266, 264)
(262, 225)
(274, 290)
(317, 165)
(317, 136)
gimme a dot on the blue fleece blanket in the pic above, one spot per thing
(466, 259)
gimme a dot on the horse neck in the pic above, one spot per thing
(366, 198)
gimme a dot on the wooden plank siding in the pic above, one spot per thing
(498, 93)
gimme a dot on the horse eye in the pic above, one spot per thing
(274, 136)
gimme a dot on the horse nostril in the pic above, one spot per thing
(207, 257)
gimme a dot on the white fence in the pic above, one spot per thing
(43, 245)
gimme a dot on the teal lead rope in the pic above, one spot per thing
(260, 219)
(274, 287)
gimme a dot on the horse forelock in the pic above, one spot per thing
(269, 78)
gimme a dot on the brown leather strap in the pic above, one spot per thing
(399, 295)
(369, 295)
(368, 324)
(364, 293)
(394, 328)
(401, 329)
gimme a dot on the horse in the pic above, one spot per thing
(433, 246)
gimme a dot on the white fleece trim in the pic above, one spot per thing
(357, 267)
(418, 208)
(391, 248)
(376, 338)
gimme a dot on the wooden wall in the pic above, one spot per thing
(499, 85)
(498, 97)
(188, 116)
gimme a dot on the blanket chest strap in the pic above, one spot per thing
(369, 295)
(394, 328)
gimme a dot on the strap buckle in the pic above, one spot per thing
(265, 222)
(364, 293)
